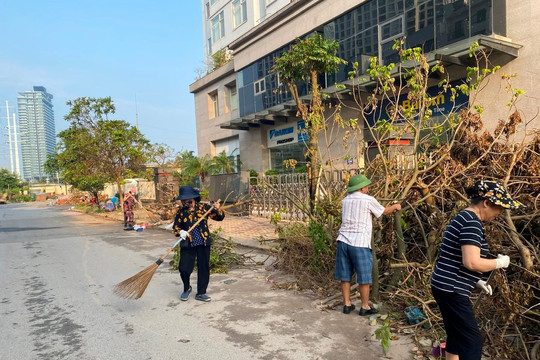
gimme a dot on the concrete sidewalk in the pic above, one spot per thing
(249, 231)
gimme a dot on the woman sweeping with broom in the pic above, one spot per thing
(196, 243)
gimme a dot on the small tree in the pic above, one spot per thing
(223, 164)
(304, 62)
(160, 154)
(10, 183)
(78, 156)
(95, 150)
(198, 168)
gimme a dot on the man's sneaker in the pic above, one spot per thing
(202, 297)
(185, 294)
(348, 309)
(364, 312)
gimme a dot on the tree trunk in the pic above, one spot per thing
(314, 125)
(375, 285)
(120, 193)
(524, 252)
(401, 249)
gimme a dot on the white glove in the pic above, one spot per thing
(502, 261)
(482, 285)
(184, 234)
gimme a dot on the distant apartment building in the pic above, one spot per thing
(244, 106)
(37, 131)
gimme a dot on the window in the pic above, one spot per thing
(218, 27)
(239, 11)
(232, 98)
(231, 147)
(209, 46)
(392, 29)
(213, 106)
(259, 87)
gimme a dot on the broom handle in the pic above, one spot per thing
(191, 228)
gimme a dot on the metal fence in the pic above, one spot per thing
(273, 194)
(288, 194)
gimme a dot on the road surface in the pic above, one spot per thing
(58, 268)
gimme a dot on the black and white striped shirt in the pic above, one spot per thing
(450, 275)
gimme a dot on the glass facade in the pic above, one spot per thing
(370, 30)
(287, 152)
(37, 131)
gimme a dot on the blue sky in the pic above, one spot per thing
(143, 54)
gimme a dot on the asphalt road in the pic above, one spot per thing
(57, 271)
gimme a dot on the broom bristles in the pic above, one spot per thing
(134, 287)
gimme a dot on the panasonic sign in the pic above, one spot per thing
(290, 133)
(281, 132)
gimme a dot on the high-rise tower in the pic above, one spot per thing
(37, 131)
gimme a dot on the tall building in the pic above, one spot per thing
(225, 21)
(37, 131)
(243, 105)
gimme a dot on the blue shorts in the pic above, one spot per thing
(350, 259)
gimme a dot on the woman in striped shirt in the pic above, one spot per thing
(463, 263)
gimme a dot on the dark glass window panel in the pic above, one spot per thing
(389, 55)
(392, 29)
(247, 106)
(344, 26)
(347, 52)
(259, 69)
(452, 21)
(330, 79)
(366, 16)
(420, 31)
(367, 43)
(389, 8)
(481, 17)
(409, 4)
(249, 74)
(290, 151)
(329, 31)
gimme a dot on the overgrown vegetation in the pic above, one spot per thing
(11, 186)
(220, 58)
(222, 255)
(424, 158)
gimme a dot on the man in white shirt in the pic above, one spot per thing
(354, 241)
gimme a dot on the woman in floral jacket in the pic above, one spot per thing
(199, 239)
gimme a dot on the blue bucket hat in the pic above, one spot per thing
(187, 192)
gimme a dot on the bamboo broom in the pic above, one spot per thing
(151, 216)
(134, 287)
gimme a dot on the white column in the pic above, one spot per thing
(9, 138)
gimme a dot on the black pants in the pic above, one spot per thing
(462, 334)
(187, 262)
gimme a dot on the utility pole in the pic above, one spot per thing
(16, 143)
(136, 113)
(9, 138)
